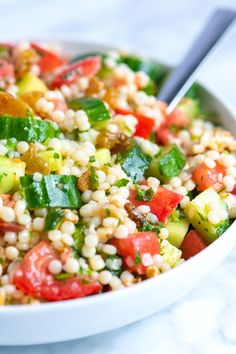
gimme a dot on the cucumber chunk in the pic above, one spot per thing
(197, 210)
(168, 165)
(53, 159)
(103, 156)
(51, 191)
(135, 163)
(170, 253)
(31, 83)
(10, 172)
(177, 227)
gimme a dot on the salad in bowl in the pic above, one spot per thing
(100, 188)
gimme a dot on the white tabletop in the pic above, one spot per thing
(203, 322)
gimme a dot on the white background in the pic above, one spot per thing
(204, 322)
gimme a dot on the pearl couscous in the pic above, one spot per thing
(100, 188)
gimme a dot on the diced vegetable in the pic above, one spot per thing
(134, 247)
(78, 237)
(30, 83)
(206, 177)
(10, 172)
(53, 218)
(52, 158)
(162, 204)
(170, 253)
(103, 156)
(33, 278)
(94, 108)
(145, 124)
(178, 227)
(48, 61)
(70, 74)
(197, 212)
(192, 244)
(135, 163)
(10, 226)
(27, 129)
(51, 191)
(168, 164)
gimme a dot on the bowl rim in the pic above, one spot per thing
(18, 310)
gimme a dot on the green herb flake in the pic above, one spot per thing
(137, 259)
(92, 159)
(63, 276)
(122, 182)
(144, 195)
(56, 156)
(94, 178)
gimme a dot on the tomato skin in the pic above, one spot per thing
(162, 203)
(205, 177)
(233, 191)
(177, 118)
(164, 135)
(48, 61)
(142, 242)
(192, 244)
(145, 124)
(5, 227)
(6, 69)
(33, 278)
(87, 67)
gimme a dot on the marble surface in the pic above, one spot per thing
(203, 322)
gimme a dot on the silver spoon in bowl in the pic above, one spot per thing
(183, 76)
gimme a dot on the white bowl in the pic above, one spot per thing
(60, 321)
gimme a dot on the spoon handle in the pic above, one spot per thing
(181, 78)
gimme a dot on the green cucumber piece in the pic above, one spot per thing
(170, 253)
(135, 163)
(168, 164)
(178, 226)
(103, 156)
(191, 107)
(51, 191)
(27, 129)
(53, 219)
(197, 210)
(95, 109)
(10, 172)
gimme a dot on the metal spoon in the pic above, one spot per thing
(181, 78)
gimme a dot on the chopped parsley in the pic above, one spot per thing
(92, 159)
(122, 182)
(149, 227)
(94, 178)
(137, 259)
(63, 276)
(56, 156)
(144, 195)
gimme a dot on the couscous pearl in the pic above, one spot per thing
(5, 279)
(176, 182)
(95, 221)
(67, 239)
(105, 277)
(38, 224)
(9, 289)
(55, 144)
(11, 253)
(126, 277)
(153, 183)
(58, 245)
(229, 183)
(209, 162)
(88, 251)
(121, 232)
(87, 210)
(189, 185)
(40, 212)
(71, 265)
(96, 262)
(152, 218)
(24, 219)
(110, 222)
(20, 207)
(184, 202)
(22, 246)
(10, 237)
(158, 260)
(164, 233)
(22, 147)
(68, 227)
(227, 160)
(1, 270)
(109, 249)
(54, 235)
(24, 236)
(7, 214)
(91, 240)
(87, 196)
(144, 209)
(55, 266)
(99, 196)
(115, 283)
(213, 217)
(3, 150)
(37, 177)
(146, 259)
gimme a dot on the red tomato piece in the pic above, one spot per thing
(145, 124)
(48, 61)
(177, 118)
(5, 226)
(33, 278)
(6, 69)
(162, 204)
(164, 135)
(192, 244)
(233, 191)
(87, 67)
(205, 177)
(7, 45)
(134, 246)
